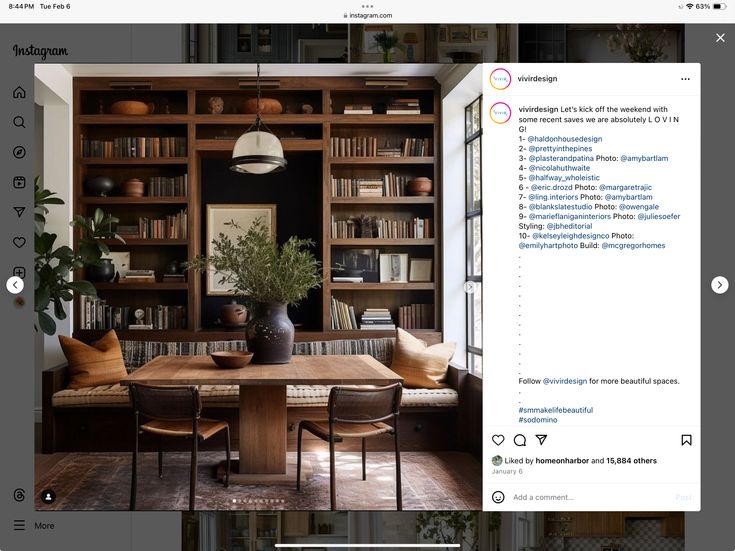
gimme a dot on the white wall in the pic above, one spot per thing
(54, 92)
(457, 93)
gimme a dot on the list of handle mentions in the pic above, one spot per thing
(591, 238)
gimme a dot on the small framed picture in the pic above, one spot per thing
(121, 261)
(420, 270)
(459, 33)
(442, 34)
(394, 268)
(480, 34)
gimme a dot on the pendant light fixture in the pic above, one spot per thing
(258, 150)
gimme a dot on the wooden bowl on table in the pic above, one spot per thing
(231, 360)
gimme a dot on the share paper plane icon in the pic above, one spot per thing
(541, 438)
(19, 211)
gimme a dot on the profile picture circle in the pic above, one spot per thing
(497, 460)
(500, 112)
(500, 78)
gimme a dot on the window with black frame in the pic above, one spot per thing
(473, 281)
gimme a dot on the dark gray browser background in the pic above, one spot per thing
(709, 529)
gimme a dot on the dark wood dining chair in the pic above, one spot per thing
(356, 412)
(173, 411)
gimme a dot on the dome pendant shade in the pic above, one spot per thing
(258, 152)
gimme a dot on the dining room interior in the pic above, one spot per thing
(283, 260)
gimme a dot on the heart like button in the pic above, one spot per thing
(498, 439)
(19, 241)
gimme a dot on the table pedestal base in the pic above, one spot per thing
(286, 479)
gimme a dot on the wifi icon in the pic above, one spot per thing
(690, 6)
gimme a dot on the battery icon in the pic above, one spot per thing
(719, 6)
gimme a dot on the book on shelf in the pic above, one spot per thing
(174, 277)
(377, 319)
(345, 279)
(416, 316)
(390, 185)
(135, 147)
(362, 146)
(342, 315)
(406, 106)
(138, 276)
(372, 227)
(358, 109)
(174, 226)
(96, 313)
(163, 186)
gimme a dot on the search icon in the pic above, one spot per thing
(19, 122)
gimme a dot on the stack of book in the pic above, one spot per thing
(161, 186)
(96, 314)
(138, 276)
(161, 317)
(404, 107)
(174, 278)
(390, 185)
(416, 316)
(127, 231)
(388, 151)
(347, 279)
(172, 227)
(358, 109)
(377, 319)
(381, 228)
(364, 146)
(417, 147)
(343, 315)
(137, 147)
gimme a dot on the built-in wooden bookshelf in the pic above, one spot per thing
(313, 115)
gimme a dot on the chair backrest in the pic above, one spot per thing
(364, 404)
(167, 403)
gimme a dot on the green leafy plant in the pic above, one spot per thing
(258, 269)
(446, 527)
(641, 43)
(53, 266)
(387, 42)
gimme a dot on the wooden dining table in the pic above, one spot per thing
(262, 407)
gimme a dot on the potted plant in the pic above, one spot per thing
(270, 277)
(387, 42)
(445, 527)
(641, 43)
(54, 265)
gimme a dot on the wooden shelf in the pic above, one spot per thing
(158, 286)
(134, 200)
(136, 242)
(382, 119)
(381, 160)
(382, 200)
(411, 286)
(134, 161)
(134, 119)
(272, 119)
(288, 145)
(376, 242)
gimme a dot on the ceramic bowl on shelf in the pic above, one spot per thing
(420, 187)
(231, 360)
(268, 106)
(133, 188)
(131, 107)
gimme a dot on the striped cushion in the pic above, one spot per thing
(227, 396)
(92, 365)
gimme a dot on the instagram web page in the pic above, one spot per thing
(367, 276)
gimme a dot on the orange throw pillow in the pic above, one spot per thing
(421, 366)
(98, 364)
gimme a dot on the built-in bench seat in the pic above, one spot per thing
(228, 396)
(99, 419)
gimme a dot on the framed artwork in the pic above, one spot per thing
(442, 34)
(393, 268)
(459, 33)
(480, 34)
(420, 270)
(217, 218)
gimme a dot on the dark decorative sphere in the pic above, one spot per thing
(99, 185)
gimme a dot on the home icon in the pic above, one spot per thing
(19, 93)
